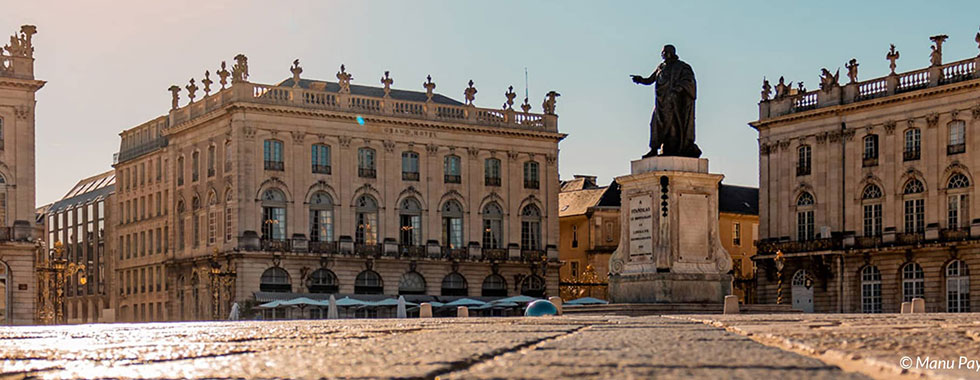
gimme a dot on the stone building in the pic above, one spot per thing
(738, 219)
(310, 186)
(81, 221)
(17, 219)
(866, 189)
(588, 217)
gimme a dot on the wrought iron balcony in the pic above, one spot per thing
(869, 161)
(531, 184)
(495, 254)
(802, 170)
(362, 249)
(954, 234)
(366, 173)
(867, 241)
(276, 245)
(452, 178)
(955, 149)
(410, 176)
(455, 253)
(411, 251)
(321, 169)
(274, 165)
(532, 255)
(768, 246)
(491, 181)
(909, 238)
(323, 247)
(911, 155)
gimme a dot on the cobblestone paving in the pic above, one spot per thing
(545, 348)
(935, 345)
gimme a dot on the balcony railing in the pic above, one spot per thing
(911, 155)
(802, 170)
(362, 249)
(411, 251)
(532, 255)
(954, 234)
(410, 176)
(909, 238)
(276, 245)
(323, 247)
(955, 149)
(799, 246)
(495, 254)
(321, 169)
(531, 184)
(274, 165)
(867, 241)
(455, 253)
(491, 181)
(452, 178)
(366, 173)
(869, 162)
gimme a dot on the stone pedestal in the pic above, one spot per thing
(669, 251)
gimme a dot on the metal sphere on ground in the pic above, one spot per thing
(540, 308)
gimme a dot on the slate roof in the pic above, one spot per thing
(377, 92)
(738, 199)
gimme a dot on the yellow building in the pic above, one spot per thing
(588, 217)
(738, 218)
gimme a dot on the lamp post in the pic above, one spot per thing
(219, 279)
(55, 269)
(780, 263)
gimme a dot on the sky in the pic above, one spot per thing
(108, 64)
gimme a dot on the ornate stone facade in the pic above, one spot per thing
(876, 209)
(314, 186)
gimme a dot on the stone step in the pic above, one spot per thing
(638, 309)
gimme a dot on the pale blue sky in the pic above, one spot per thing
(108, 63)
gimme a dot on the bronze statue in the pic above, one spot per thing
(672, 124)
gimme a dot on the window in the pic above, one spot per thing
(322, 281)
(229, 232)
(273, 215)
(531, 175)
(913, 282)
(411, 283)
(228, 156)
(957, 137)
(871, 203)
(803, 160)
(454, 284)
(533, 286)
(957, 287)
(410, 166)
(491, 172)
(410, 223)
(958, 201)
(870, 290)
(320, 155)
(804, 217)
(275, 280)
(1, 146)
(212, 218)
(272, 155)
(575, 236)
(870, 150)
(365, 163)
(531, 228)
(180, 225)
(914, 208)
(452, 225)
(494, 285)
(211, 150)
(736, 234)
(367, 221)
(913, 144)
(180, 170)
(321, 217)
(452, 169)
(368, 282)
(493, 226)
(195, 166)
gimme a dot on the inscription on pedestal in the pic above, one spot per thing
(641, 227)
(693, 227)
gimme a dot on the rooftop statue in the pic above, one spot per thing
(672, 123)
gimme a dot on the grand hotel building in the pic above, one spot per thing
(310, 186)
(867, 189)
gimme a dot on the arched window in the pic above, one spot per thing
(913, 282)
(913, 144)
(531, 175)
(321, 217)
(211, 158)
(915, 207)
(491, 172)
(452, 169)
(195, 166)
(322, 281)
(365, 163)
(276, 280)
(410, 166)
(958, 202)
(871, 199)
(272, 155)
(533, 286)
(320, 154)
(804, 217)
(957, 137)
(493, 226)
(957, 287)
(803, 160)
(494, 285)
(410, 222)
(870, 290)
(368, 282)
(367, 220)
(273, 215)
(531, 228)
(411, 283)
(452, 224)
(454, 284)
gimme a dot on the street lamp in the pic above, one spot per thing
(219, 279)
(55, 268)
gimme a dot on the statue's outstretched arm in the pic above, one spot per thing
(648, 80)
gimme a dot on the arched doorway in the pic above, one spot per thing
(802, 291)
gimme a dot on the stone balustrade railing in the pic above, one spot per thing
(893, 84)
(366, 105)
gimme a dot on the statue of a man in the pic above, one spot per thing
(672, 125)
